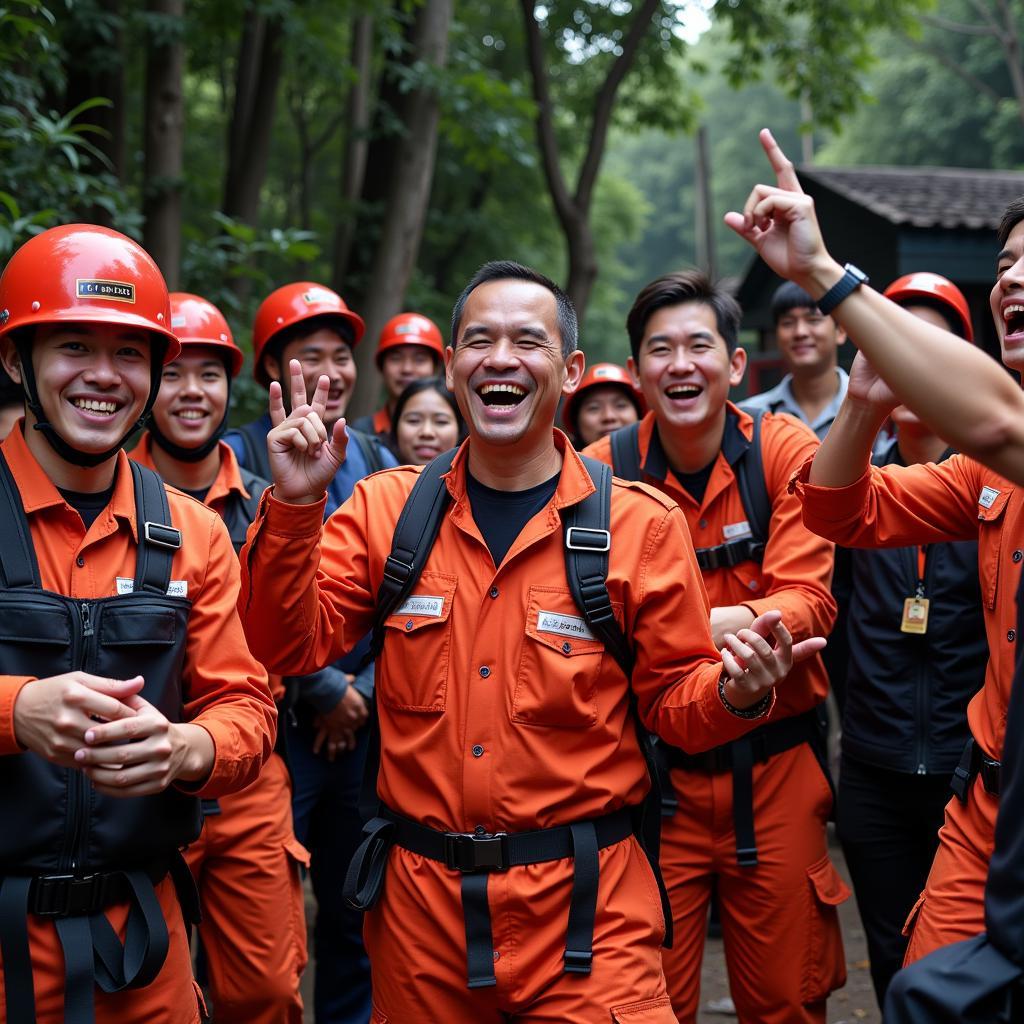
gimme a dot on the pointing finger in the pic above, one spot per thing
(785, 172)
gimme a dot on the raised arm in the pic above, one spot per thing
(956, 389)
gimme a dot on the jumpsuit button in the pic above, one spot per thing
(480, 830)
(80, 561)
(567, 647)
(484, 671)
(1011, 635)
(753, 585)
(703, 524)
(408, 625)
(497, 955)
(493, 592)
(1018, 555)
(478, 751)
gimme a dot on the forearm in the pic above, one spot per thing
(961, 393)
(845, 454)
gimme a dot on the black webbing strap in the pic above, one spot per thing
(369, 449)
(476, 912)
(625, 445)
(743, 802)
(18, 988)
(158, 538)
(579, 936)
(17, 552)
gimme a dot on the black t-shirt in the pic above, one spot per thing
(199, 495)
(88, 506)
(695, 484)
(501, 515)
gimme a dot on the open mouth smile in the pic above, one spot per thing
(683, 392)
(508, 395)
(96, 408)
(1013, 317)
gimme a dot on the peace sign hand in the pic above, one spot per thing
(303, 458)
(780, 223)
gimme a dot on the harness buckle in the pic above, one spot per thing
(578, 961)
(162, 536)
(67, 895)
(467, 852)
(583, 538)
(396, 570)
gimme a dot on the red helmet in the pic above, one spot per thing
(196, 321)
(410, 329)
(598, 375)
(291, 304)
(82, 273)
(936, 289)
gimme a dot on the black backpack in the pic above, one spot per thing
(749, 470)
(587, 543)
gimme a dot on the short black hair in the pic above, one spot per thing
(417, 387)
(1012, 216)
(673, 290)
(295, 332)
(509, 270)
(790, 296)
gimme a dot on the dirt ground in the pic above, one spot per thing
(855, 1004)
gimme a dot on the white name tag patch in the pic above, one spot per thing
(733, 530)
(175, 588)
(421, 604)
(563, 625)
(987, 497)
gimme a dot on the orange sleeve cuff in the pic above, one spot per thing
(10, 687)
(839, 506)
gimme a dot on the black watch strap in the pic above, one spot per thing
(851, 280)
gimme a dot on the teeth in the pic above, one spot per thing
(512, 389)
(682, 391)
(1012, 310)
(191, 414)
(91, 405)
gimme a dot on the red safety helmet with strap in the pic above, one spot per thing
(84, 274)
(601, 375)
(197, 321)
(410, 329)
(291, 304)
(934, 289)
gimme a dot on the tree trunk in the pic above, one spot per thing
(573, 209)
(260, 60)
(87, 76)
(164, 141)
(409, 195)
(357, 144)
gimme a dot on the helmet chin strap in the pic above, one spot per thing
(68, 453)
(193, 454)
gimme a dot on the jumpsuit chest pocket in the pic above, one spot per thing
(417, 647)
(559, 665)
(990, 528)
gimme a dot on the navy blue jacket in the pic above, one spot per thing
(907, 694)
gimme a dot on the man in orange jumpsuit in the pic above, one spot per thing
(751, 814)
(128, 692)
(247, 860)
(853, 503)
(409, 348)
(500, 712)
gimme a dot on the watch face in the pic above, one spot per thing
(856, 272)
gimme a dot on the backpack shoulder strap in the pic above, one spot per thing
(255, 485)
(412, 542)
(625, 444)
(18, 564)
(369, 450)
(158, 538)
(254, 442)
(753, 489)
(587, 543)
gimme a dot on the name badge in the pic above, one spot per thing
(733, 530)
(421, 604)
(915, 615)
(175, 588)
(563, 625)
(987, 497)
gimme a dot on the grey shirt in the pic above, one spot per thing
(781, 399)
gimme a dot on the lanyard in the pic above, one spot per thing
(922, 558)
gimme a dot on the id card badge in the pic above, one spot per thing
(915, 615)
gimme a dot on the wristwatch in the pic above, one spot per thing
(849, 282)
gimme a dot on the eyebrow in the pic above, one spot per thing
(1004, 255)
(702, 334)
(533, 332)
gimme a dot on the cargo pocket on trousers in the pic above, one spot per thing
(647, 1011)
(915, 910)
(298, 862)
(824, 960)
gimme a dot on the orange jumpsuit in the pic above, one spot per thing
(224, 690)
(489, 720)
(783, 946)
(959, 499)
(246, 863)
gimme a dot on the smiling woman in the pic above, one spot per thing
(427, 421)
